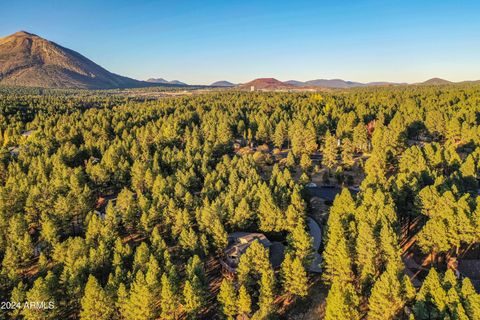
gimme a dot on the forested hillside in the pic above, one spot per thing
(120, 208)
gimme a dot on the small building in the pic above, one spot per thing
(28, 133)
(239, 242)
(326, 192)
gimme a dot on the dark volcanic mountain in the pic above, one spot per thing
(29, 60)
(178, 83)
(222, 83)
(163, 81)
(267, 84)
(295, 83)
(436, 81)
(157, 80)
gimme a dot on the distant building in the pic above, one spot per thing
(28, 133)
(252, 88)
(238, 243)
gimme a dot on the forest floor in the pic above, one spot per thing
(313, 306)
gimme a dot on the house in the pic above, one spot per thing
(239, 242)
(28, 133)
(327, 193)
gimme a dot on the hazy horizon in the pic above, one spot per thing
(199, 43)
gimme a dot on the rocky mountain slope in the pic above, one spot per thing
(29, 60)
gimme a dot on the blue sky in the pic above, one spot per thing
(204, 41)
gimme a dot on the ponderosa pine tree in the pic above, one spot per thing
(367, 253)
(294, 276)
(342, 302)
(192, 297)
(140, 303)
(454, 305)
(168, 297)
(244, 302)
(43, 290)
(280, 134)
(267, 294)
(96, 304)
(337, 257)
(360, 138)
(386, 298)
(296, 210)
(301, 241)
(305, 162)
(228, 298)
(471, 299)
(330, 151)
(18, 296)
(431, 300)
(347, 153)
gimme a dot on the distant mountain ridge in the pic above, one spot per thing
(267, 84)
(223, 83)
(29, 60)
(337, 83)
(163, 81)
(436, 81)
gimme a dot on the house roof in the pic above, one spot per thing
(327, 193)
(240, 241)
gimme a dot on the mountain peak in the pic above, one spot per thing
(436, 81)
(163, 81)
(267, 84)
(32, 61)
(222, 83)
(24, 33)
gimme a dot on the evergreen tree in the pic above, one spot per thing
(471, 299)
(280, 134)
(329, 151)
(305, 162)
(192, 297)
(367, 252)
(455, 306)
(294, 276)
(347, 153)
(386, 299)
(228, 298)
(267, 294)
(168, 298)
(360, 138)
(301, 241)
(96, 304)
(244, 302)
(342, 302)
(140, 304)
(42, 291)
(431, 299)
(18, 296)
(337, 256)
(290, 160)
